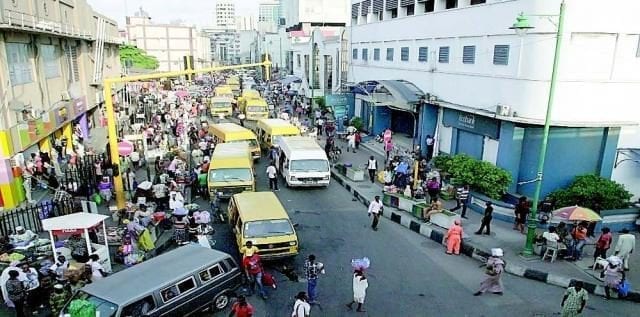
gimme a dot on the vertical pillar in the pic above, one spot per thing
(84, 125)
(10, 196)
(67, 131)
(45, 145)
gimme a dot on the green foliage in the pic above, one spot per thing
(321, 102)
(357, 123)
(481, 176)
(138, 57)
(593, 192)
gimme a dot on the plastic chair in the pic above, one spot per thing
(552, 250)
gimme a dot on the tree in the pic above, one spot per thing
(592, 191)
(138, 57)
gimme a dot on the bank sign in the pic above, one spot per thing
(342, 104)
(471, 122)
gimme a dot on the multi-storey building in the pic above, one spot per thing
(246, 23)
(482, 89)
(225, 15)
(53, 58)
(268, 16)
(169, 43)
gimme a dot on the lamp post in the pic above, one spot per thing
(522, 26)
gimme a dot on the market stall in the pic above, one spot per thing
(80, 223)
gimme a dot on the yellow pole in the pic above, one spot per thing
(188, 58)
(113, 144)
(415, 173)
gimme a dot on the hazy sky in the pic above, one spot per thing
(199, 12)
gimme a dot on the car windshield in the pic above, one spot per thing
(267, 228)
(256, 109)
(221, 105)
(230, 175)
(252, 142)
(106, 309)
(309, 166)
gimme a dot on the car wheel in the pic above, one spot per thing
(221, 301)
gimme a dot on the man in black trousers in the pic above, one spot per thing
(486, 219)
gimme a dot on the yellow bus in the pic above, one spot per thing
(223, 91)
(234, 83)
(256, 109)
(230, 170)
(260, 218)
(247, 95)
(267, 129)
(232, 133)
(221, 105)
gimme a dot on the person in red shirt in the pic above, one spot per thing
(603, 244)
(253, 270)
(241, 308)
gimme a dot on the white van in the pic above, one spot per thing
(302, 162)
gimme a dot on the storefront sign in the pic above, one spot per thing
(342, 104)
(472, 122)
(80, 105)
(62, 113)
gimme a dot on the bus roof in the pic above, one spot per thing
(150, 275)
(278, 127)
(221, 89)
(232, 131)
(231, 155)
(301, 148)
(257, 102)
(250, 94)
(252, 205)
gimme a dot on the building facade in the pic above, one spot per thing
(225, 45)
(295, 12)
(225, 15)
(246, 23)
(169, 43)
(53, 58)
(485, 89)
(268, 16)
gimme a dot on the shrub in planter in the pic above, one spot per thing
(481, 176)
(593, 192)
(357, 123)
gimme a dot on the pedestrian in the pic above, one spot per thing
(579, 235)
(375, 208)
(625, 246)
(273, 176)
(462, 198)
(29, 277)
(454, 238)
(574, 300)
(319, 124)
(486, 219)
(494, 268)
(351, 142)
(603, 244)
(372, 167)
(358, 139)
(97, 270)
(131, 180)
(253, 270)
(312, 270)
(58, 299)
(16, 293)
(360, 285)
(521, 212)
(430, 142)
(613, 275)
(301, 307)
(241, 308)
(433, 188)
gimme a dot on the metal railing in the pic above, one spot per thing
(30, 217)
(15, 19)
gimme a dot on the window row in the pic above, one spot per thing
(20, 61)
(500, 54)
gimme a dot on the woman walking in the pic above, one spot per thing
(495, 267)
(360, 285)
(613, 275)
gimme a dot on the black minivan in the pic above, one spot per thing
(182, 282)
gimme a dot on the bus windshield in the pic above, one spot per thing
(267, 228)
(309, 166)
(256, 109)
(230, 175)
(252, 142)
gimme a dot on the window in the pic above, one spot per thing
(404, 54)
(411, 9)
(19, 62)
(394, 13)
(71, 53)
(376, 53)
(423, 54)
(211, 273)
(443, 54)
(50, 61)
(354, 53)
(451, 4)
(365, 54)
(469, 54)
(390, 54)
(186, 285)
(474, 2)
(501, 55)
(429, 5)
(298, 61)
(140, 308)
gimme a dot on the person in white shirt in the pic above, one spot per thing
(551, 238)
(176, 200)
(301, 307)
(360, 285)
(273, 176)
(351, 142)
(625, 246)
(372, 166)
(97, 270)
(375, 207)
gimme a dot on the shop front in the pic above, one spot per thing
(471, 134)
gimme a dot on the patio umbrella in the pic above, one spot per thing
(182, 93)
(576, 213)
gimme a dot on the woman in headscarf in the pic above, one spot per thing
(613, 275)
(454, 238)
(495, 267)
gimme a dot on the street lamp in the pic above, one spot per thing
(521, 27)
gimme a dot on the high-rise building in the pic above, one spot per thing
(246, 23)
(297, 12)
(225, 15)
(268, 16)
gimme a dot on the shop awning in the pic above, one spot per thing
(398, 94)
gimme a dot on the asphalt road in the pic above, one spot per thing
(409, 275)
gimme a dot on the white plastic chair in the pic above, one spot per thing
(553, 248)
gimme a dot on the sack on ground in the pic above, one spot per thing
(623, 288)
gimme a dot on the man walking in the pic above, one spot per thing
(625, 246)
(430, 144)
(574, 300)
(372, 166)
(375, 207)
(486, 219)
(301, 307)
(253, 270)
(360, 285)
(273, 176)
(311, 271)
(462, 198)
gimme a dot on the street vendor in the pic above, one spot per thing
(22, 237)
(78, 248)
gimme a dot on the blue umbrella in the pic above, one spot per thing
(180, 211)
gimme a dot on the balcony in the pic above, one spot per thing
(27, 22)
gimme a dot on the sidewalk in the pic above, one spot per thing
(560, 273)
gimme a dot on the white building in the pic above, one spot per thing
(225, 45)
(311, 11)
(246, 23)
(225, 15)
(268, 16)
(483, 90)
(169, 43)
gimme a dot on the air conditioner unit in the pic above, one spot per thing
(503, 110)
(64, 95)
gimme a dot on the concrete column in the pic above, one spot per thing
(84, 125)
(608, 153)
(510, 151)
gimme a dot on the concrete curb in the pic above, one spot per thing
(477, 253)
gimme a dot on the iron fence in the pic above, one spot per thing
(30, 216)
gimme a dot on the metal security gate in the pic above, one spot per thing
(30, 217)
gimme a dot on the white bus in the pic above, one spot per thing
(302, 162)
